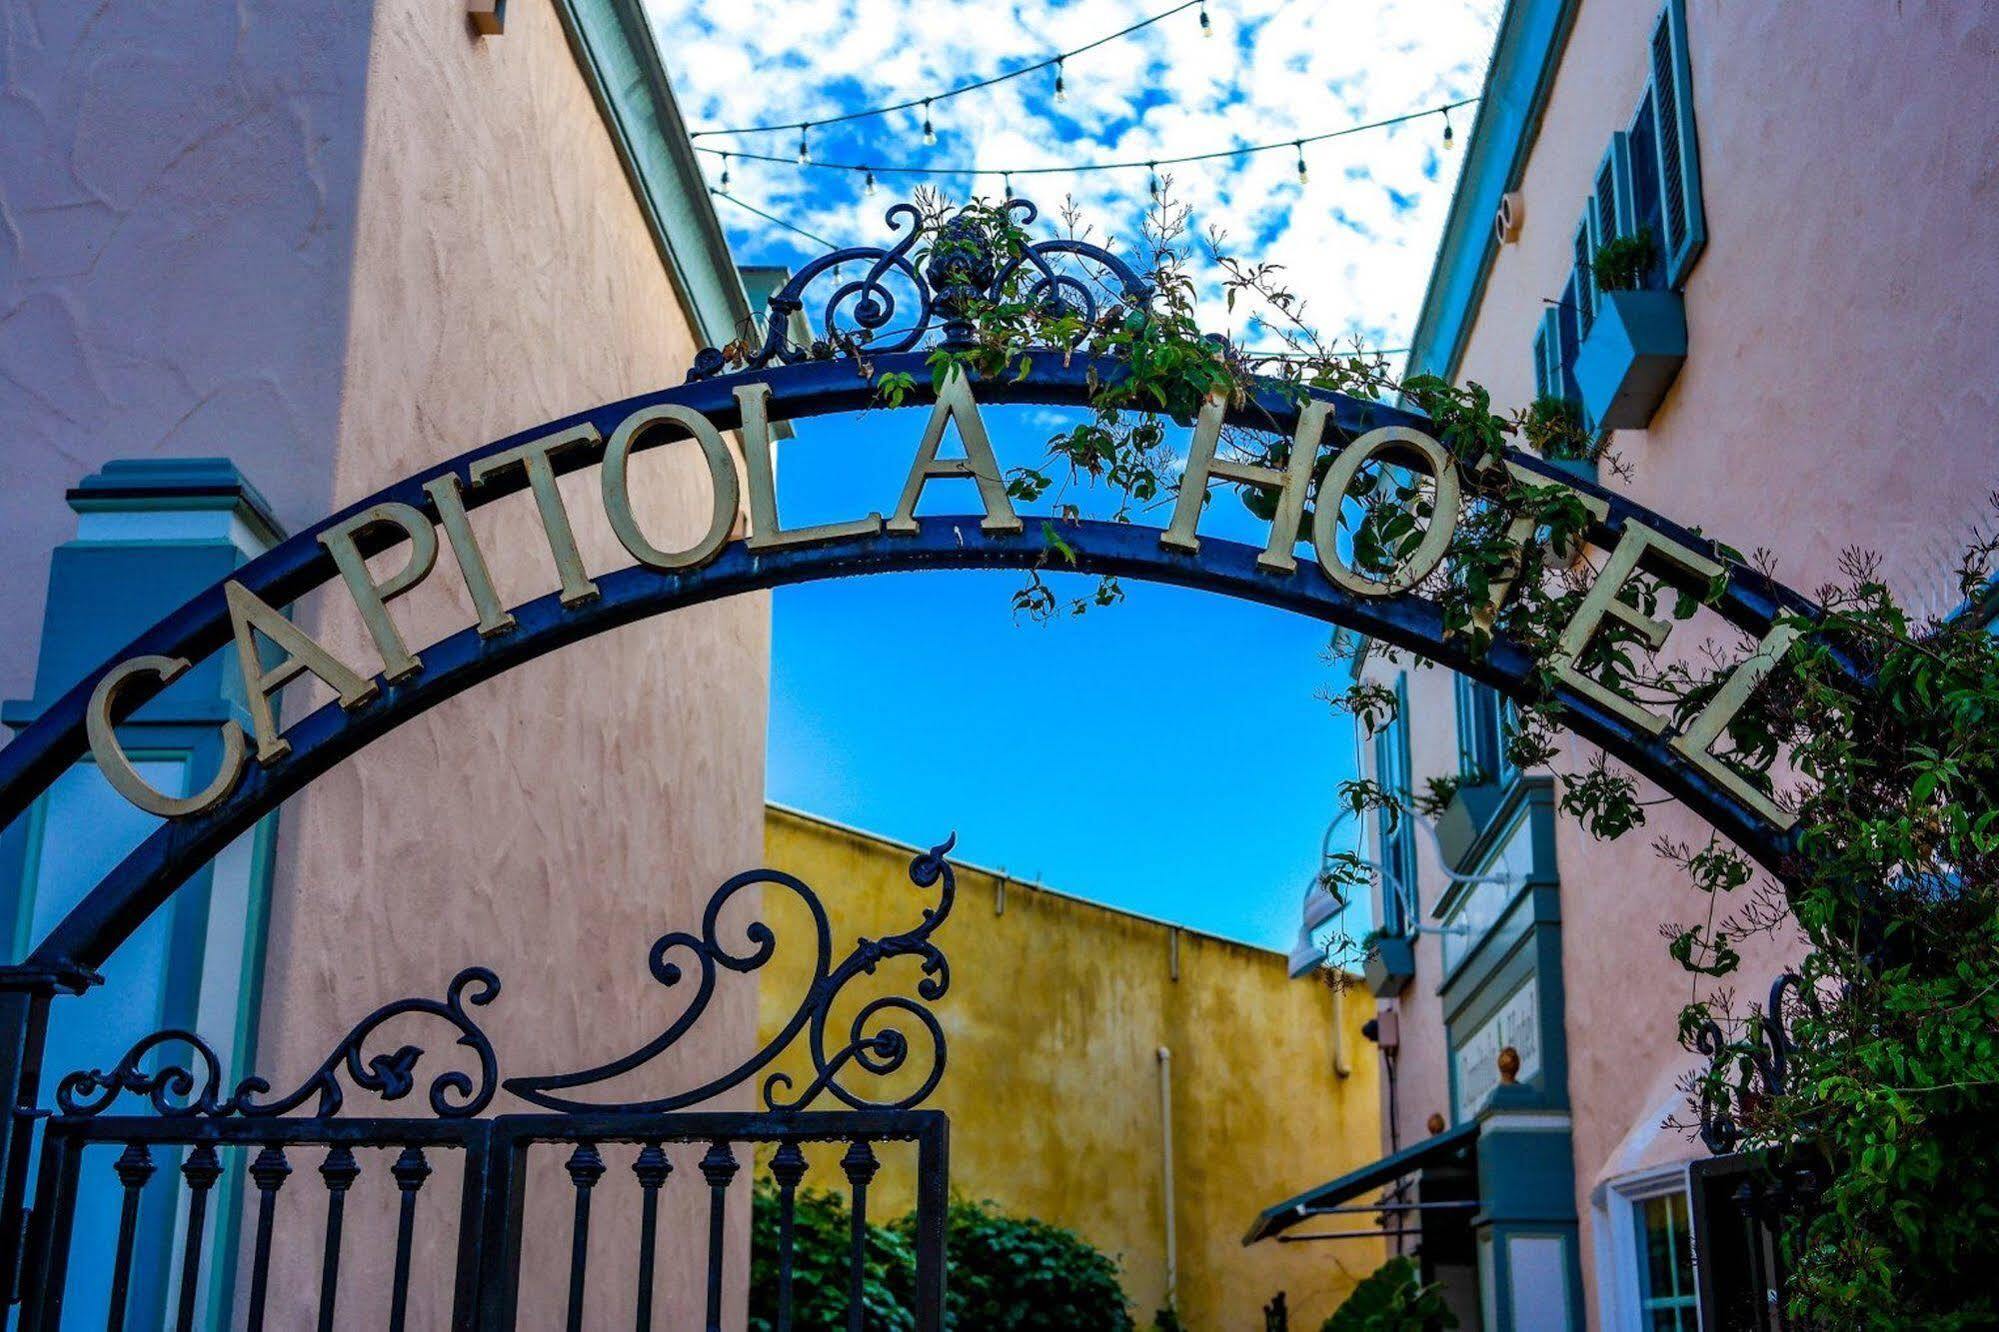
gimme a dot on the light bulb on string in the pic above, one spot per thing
(1304, 177)
(1152, 180)
(1207, 28)
(1447, 129)
(725, 171)
(804, 153)
(868, 184)
(1006, 187)
(929, 130)
(1061, 85)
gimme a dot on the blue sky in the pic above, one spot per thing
(1169, 754)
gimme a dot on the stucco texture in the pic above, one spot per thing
(551, 823)
(1839, 381)
(177, 205)
(1055, 1016)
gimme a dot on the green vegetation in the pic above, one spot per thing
(1392, 1299)
(1622, 262)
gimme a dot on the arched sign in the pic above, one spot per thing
(426, 515)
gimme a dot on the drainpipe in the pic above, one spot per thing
(1341, 1067)
(1166, 1167)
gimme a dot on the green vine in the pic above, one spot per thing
(1879, 730)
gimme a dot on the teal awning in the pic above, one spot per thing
(1447, 1148)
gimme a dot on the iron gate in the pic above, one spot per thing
(191, 1120)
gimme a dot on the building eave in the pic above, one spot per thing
(1526, 55)
(613, 45)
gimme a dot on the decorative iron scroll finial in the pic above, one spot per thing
(1763, 1073)
(972, 256)
(175, 1093)
(875, 1046)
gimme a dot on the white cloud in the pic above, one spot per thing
(1356, 242)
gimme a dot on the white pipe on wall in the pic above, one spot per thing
(1166, 1168)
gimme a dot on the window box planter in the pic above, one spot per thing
(1583, 469)
(1630, 356)
(1390, 965)
(1470, 810)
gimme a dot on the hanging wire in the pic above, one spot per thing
(1082, 168)
(963, 87)
(750, 207)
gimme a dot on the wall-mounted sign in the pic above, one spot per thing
(1476, 1058)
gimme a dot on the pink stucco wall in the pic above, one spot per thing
(1837, 393)
(337, 243)
(553, 822)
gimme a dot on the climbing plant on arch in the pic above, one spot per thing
(1427, 529)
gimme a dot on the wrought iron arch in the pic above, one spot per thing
(813, 387)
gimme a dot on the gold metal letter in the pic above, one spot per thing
(1333, 493)
(1602, 600)
(250, 616)
(372, 598)
(533, 456)
(955, 403)
(1520, 535)
(765, 534)
(618, 494)
(118, 769)
(1697, 741)
(450, 500)
(1291, 483)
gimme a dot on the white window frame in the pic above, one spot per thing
(1620, 1285)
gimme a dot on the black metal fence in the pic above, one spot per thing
(490, 1204)
(241, 1150)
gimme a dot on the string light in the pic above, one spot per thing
(868, 187)
(924, 102)
(1447, 129)
(929, 130)
(1303, 176)
(725, 171)
(1207, 28)
(1152, 180)
(804, 153)
(1061, 87)
(1085, 168)
(1006, 186)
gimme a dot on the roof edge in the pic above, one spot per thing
(1526, 54)
(614, 47)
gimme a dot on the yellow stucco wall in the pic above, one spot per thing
(1056, 1014)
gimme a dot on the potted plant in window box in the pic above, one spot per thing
(1638, 341)
(1553, 428)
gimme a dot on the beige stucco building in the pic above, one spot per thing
(1819, 186)
(258, 263)
(1139, 1083)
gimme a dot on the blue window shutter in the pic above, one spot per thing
(1615, 201)
(1541, 384)
(1585, 282)
(1683, 225)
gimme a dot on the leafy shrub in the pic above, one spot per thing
(1392, 1299)
(1017, 1274)
(1622, 262)
(822, 1230)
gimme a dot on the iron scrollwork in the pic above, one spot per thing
(177, 1093)
(873, 1043)
(1763, 1072)
(962, 268)
(877, 1042)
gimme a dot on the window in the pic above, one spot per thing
(1649, 178)
(1395, 836)
(1484, 719)
(1665, 1258)
(1683, 225)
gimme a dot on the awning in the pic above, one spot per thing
(1448, 1148)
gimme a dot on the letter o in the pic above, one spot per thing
(118, 769)
(618, 496)
(1333, 492)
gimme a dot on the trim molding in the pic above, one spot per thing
(614, 49)
(1525, 58)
